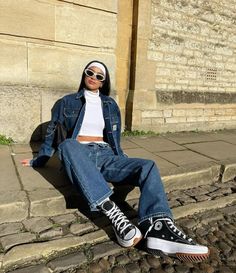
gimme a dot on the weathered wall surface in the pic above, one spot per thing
(44, 46)
(180, 74)
(186, 65)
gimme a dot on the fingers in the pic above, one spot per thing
(25, 162)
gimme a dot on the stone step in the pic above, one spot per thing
(48, 192)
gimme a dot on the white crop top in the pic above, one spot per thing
(93, 122)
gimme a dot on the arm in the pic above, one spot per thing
(47, 149)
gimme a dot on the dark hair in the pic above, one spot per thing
(106, 87)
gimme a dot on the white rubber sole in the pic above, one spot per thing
(192, 253)
(131, 242)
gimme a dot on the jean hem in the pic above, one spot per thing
(94, 206)
(159, 214)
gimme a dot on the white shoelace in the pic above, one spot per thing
(176, 230)
(172, 226)
(118, 218)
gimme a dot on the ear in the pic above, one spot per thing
(101, 84)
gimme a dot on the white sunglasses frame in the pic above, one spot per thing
(94, 74)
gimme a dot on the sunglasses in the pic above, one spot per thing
(91, 73)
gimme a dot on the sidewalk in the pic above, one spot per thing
(37, 200)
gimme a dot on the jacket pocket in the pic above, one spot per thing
(71, 112)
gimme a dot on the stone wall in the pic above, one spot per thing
(44, 46)
(172, 62)
(186, 65)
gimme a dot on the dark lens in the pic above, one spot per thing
(100, 77)
(89, 73)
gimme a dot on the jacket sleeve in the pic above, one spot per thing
(47, 150)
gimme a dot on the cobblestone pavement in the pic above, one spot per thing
(215, 228)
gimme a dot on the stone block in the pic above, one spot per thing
(73, 26)
(10, 228)
(37, 224)
(68, 262)
(26, 254)
(47, 202)
(13, 61)
(37, 268)
(28, 18)
(13, 206)
(48, 177)
(152, 114)
(60, 67)
(107, 6)
(190, 176)
(149, 103)
(16, 239)
(13, 106)
(229, 172)
(190, 209)
(78, 229)
(8, 178)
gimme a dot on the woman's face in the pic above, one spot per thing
(91, 82)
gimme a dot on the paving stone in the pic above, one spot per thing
(106, 249)
(132, 268)
(203, 197)
(225, 269)
(182, 269)
(189, 222)
(224, 247)
(118, 269)
(70, 261)
(37, 224)
(206, 268)
(8, 178)
(229, 210)
(23, 254)
(10, 228)
(32, 269)
(229, 171)
(47, 202)
(134, 255)
(64, 219)
(190, 209)
(220, 192)
(95, 268)
(122, 259)
(169, 269)
(79, 229)
(209, 217)
(104, 264)
(17, 239)
(153, 261)
(52, 233)
(144, 265)
(13, 206)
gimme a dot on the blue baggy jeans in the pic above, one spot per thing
(90, 166)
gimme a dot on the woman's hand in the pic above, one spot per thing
(26, 162)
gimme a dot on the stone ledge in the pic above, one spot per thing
(14, 206)
(183, 178)
(190, 209)
(24, 255)
(229, 170)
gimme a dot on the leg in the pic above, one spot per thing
(79, 161)
(160, 232)
(144, 174)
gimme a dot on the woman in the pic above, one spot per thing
(85, 130)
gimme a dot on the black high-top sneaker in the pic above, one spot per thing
(163, 237)
(126, 233)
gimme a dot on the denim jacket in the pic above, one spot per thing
(68, 112)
